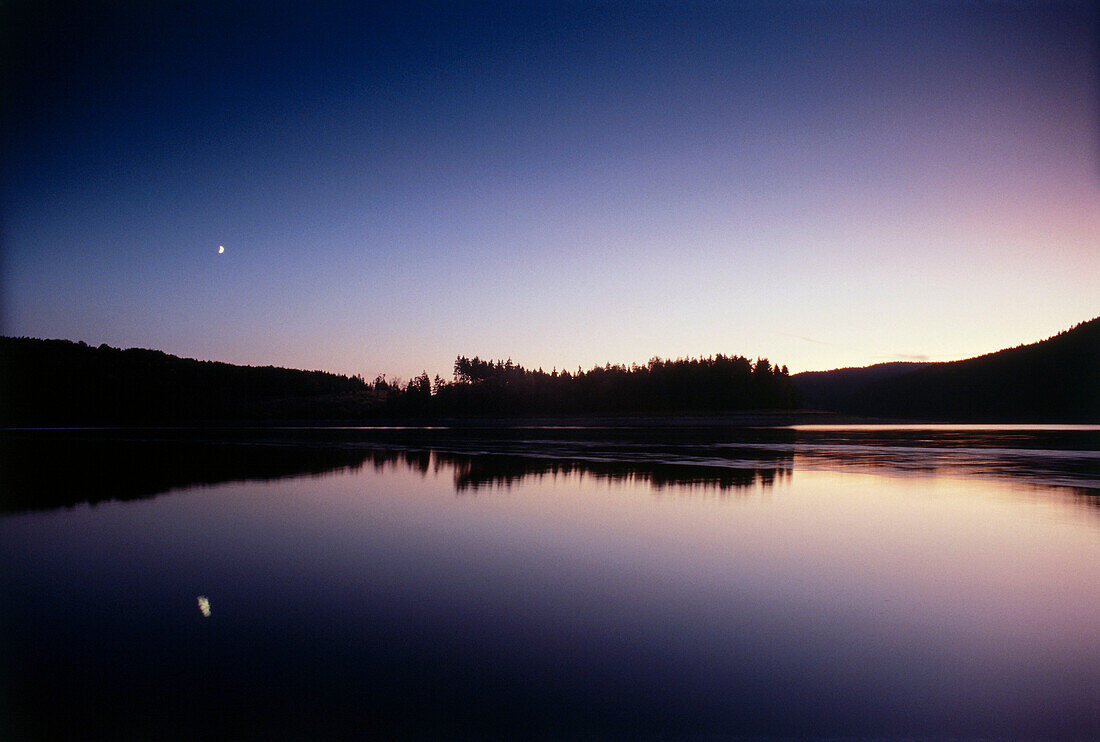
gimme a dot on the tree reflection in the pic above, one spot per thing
(63, 468)
(497, 471)
(39, 472)
(473, 472)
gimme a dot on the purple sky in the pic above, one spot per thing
(564, 184)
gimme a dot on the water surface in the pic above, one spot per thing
(553, 583)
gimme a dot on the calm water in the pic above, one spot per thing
(552, 582)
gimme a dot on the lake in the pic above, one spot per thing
(695, 581)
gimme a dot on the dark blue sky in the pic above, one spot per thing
(564, 183)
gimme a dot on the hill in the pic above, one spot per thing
(1057, 379)
(840, 388)
(58, 382)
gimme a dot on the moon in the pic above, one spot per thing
(221, 249)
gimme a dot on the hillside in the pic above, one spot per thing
(58, 382)
(840, 389)
(1054, 379)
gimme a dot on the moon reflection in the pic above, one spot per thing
(204, 606)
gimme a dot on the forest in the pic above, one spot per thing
(485, 387)
(58, 382)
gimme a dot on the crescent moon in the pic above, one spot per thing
(221, 249)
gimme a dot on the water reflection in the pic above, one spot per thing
(38, 474)
(59, 468)
(1066, 456)
(370, 602)
(1062, 456)
(483, 472)
(487, 471)
(53, 471)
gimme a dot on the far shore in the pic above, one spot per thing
(712, 421)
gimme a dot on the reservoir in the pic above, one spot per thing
(552, 582)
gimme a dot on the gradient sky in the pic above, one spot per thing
(564, 184)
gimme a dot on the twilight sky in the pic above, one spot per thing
(564, 184)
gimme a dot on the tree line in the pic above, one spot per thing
(717, 383)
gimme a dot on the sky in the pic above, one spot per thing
(564, 184)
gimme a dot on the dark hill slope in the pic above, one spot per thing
(840, 389)
(1054, 379)
(58, 382)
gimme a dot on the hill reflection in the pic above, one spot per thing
(48, 473)
(46, 469)
(52, 471)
